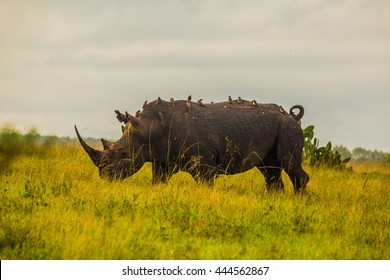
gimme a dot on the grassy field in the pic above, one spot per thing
(55, 206)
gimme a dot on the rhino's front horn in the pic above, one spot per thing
(95, 155)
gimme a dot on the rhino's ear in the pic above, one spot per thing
(133, 120)
(121, 117)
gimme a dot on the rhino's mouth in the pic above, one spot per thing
(118, 175)
(117, 172)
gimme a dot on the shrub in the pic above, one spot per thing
(321, 156)
(14, 144)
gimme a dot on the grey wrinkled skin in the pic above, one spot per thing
(206, 140)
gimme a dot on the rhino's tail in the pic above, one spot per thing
(300, 113)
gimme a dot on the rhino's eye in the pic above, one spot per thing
(123, 153)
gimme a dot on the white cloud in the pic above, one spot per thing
(70, 59)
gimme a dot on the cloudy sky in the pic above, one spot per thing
(74, 62)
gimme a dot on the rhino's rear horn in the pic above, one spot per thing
(106, 144)
(95, 155)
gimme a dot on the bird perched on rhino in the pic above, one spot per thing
(200, 102)
(188, 103)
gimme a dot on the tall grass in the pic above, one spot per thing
(55, 206)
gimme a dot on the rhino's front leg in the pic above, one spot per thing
(161, 173)
(203, 175)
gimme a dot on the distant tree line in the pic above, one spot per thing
(13, 144)
(361, 154)
(337, 156)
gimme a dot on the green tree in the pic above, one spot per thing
(343, 151)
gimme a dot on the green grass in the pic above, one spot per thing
(55, 206)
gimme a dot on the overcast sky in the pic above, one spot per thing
(74, 62)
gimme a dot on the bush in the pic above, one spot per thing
(14, 144)
(321, 156)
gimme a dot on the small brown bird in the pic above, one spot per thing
(239, 101)
(254, 103)
(201, 103)
(281, 109)
(188, 103)
(230, 100)
(171, 100)
(161, 116)
(137, 113)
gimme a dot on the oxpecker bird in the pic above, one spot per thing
(171, 100)
(230, 100)
(254, 103)
(188, 103)
(201, 103)
(161, 116)
(137, 113)
(239, 100)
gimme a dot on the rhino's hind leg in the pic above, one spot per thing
(272, 172)
(273, 178)
(161, 173)
(289, 152)
(203, 174)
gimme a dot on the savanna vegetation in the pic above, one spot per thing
(55, 206)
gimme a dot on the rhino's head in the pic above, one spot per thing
(118, 160)
(121, 159)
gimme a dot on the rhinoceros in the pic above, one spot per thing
(206, 140)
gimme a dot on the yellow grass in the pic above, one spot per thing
(55, 206)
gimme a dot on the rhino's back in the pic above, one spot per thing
(228, 130)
